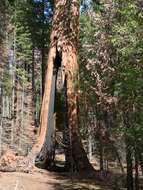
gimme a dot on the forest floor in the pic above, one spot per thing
(44, 180)
(19, 174)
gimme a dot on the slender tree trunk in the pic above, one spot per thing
(116, 152)
(129, 149)
(21, 129)
(141, 161)
(1, 133)
(136, 171)
(43, 69)
(34, 96)
(101, 155)
(101, 145)
(130, 182)
(13, 86)
(43, 66)
(90, 145)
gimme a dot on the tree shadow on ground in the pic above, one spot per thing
(95, 180)
(79, 185)
(65, 181)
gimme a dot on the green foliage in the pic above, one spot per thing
(32, 28)
(22, 76)
(128, 42)
(111, 58)
(7, 84)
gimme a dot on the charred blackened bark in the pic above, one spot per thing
(45, 159)
(64, 41)
(66, 135)
(129, 160)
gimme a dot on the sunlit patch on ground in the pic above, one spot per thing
(43, 180)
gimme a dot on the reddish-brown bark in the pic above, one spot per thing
(65, 37)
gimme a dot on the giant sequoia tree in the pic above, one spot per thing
(62, 53)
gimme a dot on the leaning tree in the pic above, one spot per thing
(62, 53)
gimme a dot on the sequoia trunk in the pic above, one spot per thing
(64, 43)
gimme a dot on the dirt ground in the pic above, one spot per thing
(23, 181)
(44, 180)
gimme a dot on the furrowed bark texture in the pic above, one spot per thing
(64, 38)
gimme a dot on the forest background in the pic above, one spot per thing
(110, 79)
